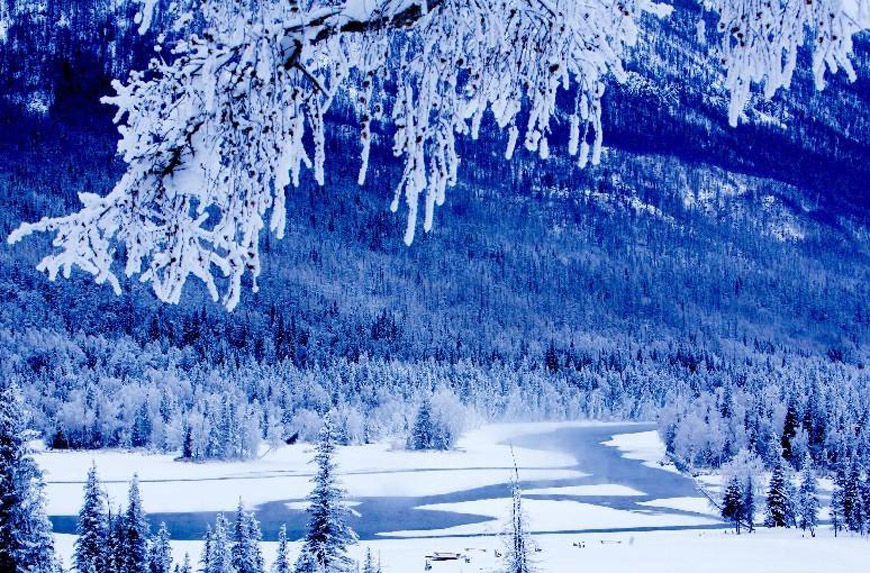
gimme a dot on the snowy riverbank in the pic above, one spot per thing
(569, 497)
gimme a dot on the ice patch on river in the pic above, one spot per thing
(604, 489)
(690, 504)
(643, 446)
(550, 516)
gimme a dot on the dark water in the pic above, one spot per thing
(379, 515)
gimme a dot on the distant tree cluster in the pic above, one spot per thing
(793, 501)
(438, 423)
(777, 412)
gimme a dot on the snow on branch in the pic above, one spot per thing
(220, 125)
(759, 41)
(214, 132)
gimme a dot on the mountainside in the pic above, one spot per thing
(693, 246)
(687, 228)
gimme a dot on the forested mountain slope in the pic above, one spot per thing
(695, 256)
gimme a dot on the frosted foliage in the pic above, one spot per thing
(222, 123)
(213, 135)
(760, 40)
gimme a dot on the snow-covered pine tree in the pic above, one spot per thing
(853, 501)
(282, 558)
(328, 535)
(749, 502)
(517, 557)
(423, 432)
(369, 565)
(117, 535)
(160, 552)
(91, 552)
(780, 497)
(187, 444)
(140, 435)
(738, 502)
(789, 431)
(26, 543)
(220, 557)
(205, 558)
(135, 527)
(184, 567)
(838, 509)
(732, 503)
(808, 499)
(247, 557)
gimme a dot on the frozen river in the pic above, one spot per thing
(378, 516)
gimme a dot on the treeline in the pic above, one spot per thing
(92, 394)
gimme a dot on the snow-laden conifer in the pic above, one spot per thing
(282, 558)
(136, 532)
(808, 499)
(26, 543)
(160, 552)
(92, 544)
(328, 535)
(247, 557)
(220, 557)
(781, 497)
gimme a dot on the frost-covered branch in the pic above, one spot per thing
(759, 41)
(222, 123)
(215, 132)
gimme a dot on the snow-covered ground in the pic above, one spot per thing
(645, 447)
(483, 459)
(650, 552)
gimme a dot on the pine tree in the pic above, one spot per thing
(517, 558)
(423, 432)
(808, 500)
(247, 557)
(853, 502)
(838, 509)
(789, 430)
(135, 528)
(780, 498)
(160, 555)
(325, 547)
(282, 559)
(91, 546)
(26, 543)
(142, 427)
(738, 503)
(187, 445)
(732, 503)
(205, 556)
(115, 547)
(220, 558)
(369, 563)
(749, 503)
(185, 565)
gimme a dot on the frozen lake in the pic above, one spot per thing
(602, 477)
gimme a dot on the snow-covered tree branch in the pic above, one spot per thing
(759, 41)
(222, 123)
